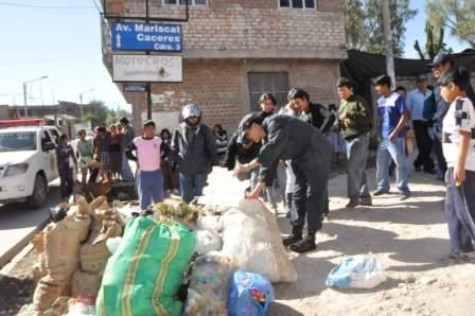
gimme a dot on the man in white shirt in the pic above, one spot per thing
(421, 104)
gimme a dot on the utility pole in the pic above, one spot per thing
(389, 42)
(25, 92)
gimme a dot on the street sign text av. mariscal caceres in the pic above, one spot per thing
(157, 37)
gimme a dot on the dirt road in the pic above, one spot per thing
(410, 237)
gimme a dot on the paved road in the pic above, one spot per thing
(18, 224)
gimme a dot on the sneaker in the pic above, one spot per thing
(379, 193)
(366, 201)
(405, 195)
(457, 255)
(352, 203)
(304, 245)
(290, 240)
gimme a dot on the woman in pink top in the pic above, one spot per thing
(149, 151)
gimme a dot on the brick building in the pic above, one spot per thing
(234, 50)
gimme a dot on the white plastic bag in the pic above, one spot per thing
(207, 240)
(360, 272)
(252, 236)
(209, 222)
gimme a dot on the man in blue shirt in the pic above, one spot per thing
(421, 105)
(393, 116)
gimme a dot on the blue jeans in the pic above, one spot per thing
(192, 185)
(392, 149)
(127, 174)
(357, 155)
(150, 187)
(460, 211)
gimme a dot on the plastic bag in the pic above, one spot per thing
(206, 241)
(210, 222)
(252, 236)
(250, 295)
(145, 274)
(361, 272)
(82, 306)
(209, 285)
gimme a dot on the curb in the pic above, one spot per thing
(15, 249)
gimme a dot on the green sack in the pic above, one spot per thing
(145, 273)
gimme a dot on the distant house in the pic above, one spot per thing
(235, 50)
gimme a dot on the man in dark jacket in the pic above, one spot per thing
(194, 148)
(355, 123)
(128, 136)
(312, 113)
(315, 114)
(287, 138)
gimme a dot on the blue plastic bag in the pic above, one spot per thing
(363, 272)
(250, 294)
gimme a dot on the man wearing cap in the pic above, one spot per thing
(441, 64)
(421, 105)
(128, 136)
(288, 138)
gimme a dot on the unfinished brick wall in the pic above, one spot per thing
(220, 87)
(253, 25)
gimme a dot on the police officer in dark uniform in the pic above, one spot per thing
(287, 138)
(315, 114)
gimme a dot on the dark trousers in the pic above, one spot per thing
(310, 196)
(460, 211)
(424, 145)
(93, 175)
(66, 182)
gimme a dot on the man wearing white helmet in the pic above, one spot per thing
(194, 146)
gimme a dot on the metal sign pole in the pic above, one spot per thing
(149, 85)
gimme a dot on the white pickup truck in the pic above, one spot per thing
(27, 161)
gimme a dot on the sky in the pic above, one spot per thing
(415, 31)
(64, 43)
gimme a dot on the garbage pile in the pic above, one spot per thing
(178, 259)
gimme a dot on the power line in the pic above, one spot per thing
(34, 6)
(97, 6)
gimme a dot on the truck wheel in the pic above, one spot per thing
(38, 198)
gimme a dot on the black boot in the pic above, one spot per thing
(295, 237)
(305, 245)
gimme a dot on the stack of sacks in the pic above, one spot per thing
(58, 248)
(144, 275)
(252, 236)
(93, 255)
(63, 261)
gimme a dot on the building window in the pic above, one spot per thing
(183, 2)
(276, 83)
(298, 4)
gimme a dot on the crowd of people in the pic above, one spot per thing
(286, 153)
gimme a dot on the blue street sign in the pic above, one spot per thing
(135, 87)
(147, 37)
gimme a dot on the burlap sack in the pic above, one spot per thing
(85, 284)
(46, 293)
(83, 208)
(61, 250)
(93, 257)
(39, 267)
(97, 202)
(81, 224)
